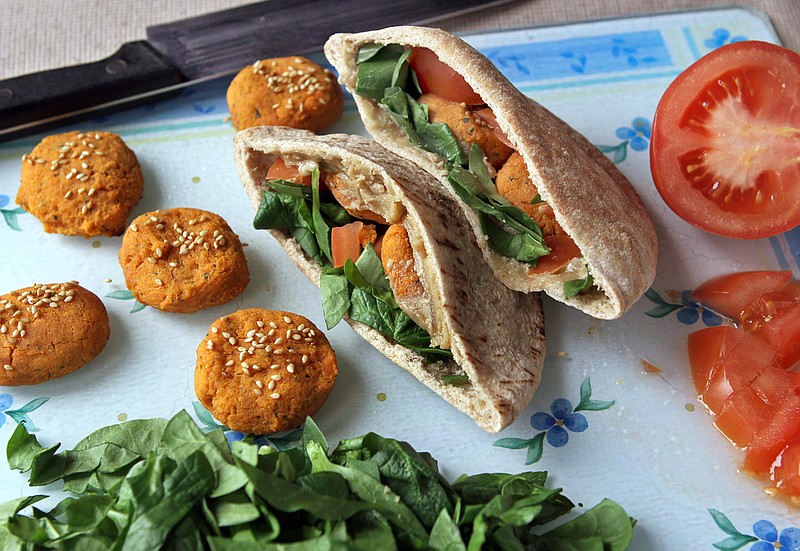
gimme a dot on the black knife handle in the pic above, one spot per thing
(135, 68)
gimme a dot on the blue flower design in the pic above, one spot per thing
(720, 37)
(637, 134)
(5, 402)
(769, 539)
(692, 311)
(4, 200)
(563, 418)
(689, 311)
(554, 425)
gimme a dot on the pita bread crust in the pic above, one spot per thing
(496, 334)
(592, 200)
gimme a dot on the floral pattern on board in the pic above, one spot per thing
(765, 535)
(720, 37)
(689, 311)
(10, 215)
(636, 136)
(280, 443)
(556, 425)
(19, 415)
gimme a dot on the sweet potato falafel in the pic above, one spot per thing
(514, 183)
(264, 371)
(285, 91)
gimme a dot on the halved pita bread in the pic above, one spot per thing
(496, 335)
(591, 199)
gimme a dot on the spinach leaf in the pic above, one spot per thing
(576, 286)
(321, 229)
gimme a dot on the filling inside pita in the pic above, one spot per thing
(374, 264)
(482, 165)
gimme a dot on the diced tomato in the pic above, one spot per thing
(743, 415)
(782, 330)
(732, 294)
(786, 470)
(723, 360)
(775, 385)
(281, 171)
(562, 250)
(346, 243)
(774, 437)
(488, 115)
(724, 145)
(437, 78)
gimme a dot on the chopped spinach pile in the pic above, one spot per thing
(384, 76)
(163, 484)
(360, 289)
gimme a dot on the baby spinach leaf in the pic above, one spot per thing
(335, 292)
(606, 526)
(377, 70)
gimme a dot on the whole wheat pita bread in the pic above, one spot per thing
(592, 200)
(496, 335)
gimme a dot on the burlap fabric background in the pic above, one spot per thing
(43, 34)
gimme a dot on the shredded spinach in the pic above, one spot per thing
(178, 488)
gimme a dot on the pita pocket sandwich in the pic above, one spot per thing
(395, 258)
(550, 211)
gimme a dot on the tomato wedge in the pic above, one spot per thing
(769, 442)
(726, 139)
(437, 78)
(281, 171)
(562, 250)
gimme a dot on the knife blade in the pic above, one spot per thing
(196, 49)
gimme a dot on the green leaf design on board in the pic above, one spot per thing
(20, 415)
(617, 153)
(10, 217)
(125, 294)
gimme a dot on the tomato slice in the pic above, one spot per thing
(726, 139)
(437, 78)
(488, 115)
(732, 294)
(346, 243)
(562, 250)
(786, 470)
(281, 171)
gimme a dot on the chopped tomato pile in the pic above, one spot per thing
(726, 139)
(748, 375)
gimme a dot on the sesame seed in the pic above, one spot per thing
(274, 366)
(8, 367)
(214, 330)
(158, 282)
(260, 323)
(279, 340)
(304, 358)
(209, 344)
(229, 363)
(274, 395)
(290, 368)
(68, 299)
(278, 352)
(258, 391)
(271, 385)
(232, 340)
(22, 333)
(226, 334)
(246, 371)
(276, 377)
(53, 304)
(151, 260)
(296, 336)
(245, 364)
(255, 368)
(259, 384)
(273, 325)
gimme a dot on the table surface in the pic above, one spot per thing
(654, 450)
